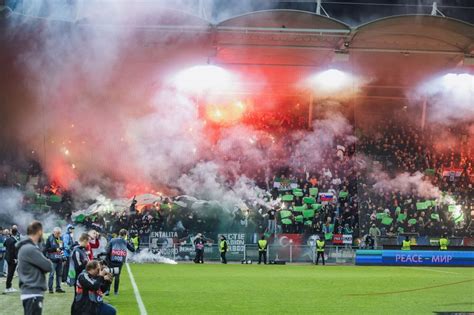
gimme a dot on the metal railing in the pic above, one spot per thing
(249, 252)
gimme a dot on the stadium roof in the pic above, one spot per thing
(288, 45)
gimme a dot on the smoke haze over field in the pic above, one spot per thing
(95, 105)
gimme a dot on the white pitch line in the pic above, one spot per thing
(434, 270)
(141, 306)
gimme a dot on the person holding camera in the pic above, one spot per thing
(88, 299)
(54, 252)
(116, 256)
(32, 269)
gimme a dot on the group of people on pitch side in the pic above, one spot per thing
(90, 278)
(200, 241)
(443, 243)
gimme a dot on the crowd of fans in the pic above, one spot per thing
(345, 173)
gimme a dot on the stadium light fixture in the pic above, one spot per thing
(331, 81)
(203, 79)
(459, 82)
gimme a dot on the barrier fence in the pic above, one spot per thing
(249, 252)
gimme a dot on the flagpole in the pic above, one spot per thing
(423, 114)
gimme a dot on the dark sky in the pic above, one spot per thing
(356, 12)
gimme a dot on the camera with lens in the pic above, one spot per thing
(103, 262)
(112, 270)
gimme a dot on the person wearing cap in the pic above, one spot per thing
(223, 249)
(68, 244)
(199, 248)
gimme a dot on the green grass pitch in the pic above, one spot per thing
(291, 289)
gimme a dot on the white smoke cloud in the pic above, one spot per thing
(312, 148)
(406, 183)
(146, 256)
(12, 212)
(450, 98)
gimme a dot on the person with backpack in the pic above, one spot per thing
(78, 260)
(68, 244)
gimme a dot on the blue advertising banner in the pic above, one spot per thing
(415, 258)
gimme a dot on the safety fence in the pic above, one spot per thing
(249, 252)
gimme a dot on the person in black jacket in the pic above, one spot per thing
(199, 243)
(54, 252)
(78, 259)
(88, 299)
(11, 257)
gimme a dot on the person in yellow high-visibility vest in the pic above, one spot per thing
(135, 241)
(320, 245)
(406, 244)
(443, 243)
(223, 248)
(262, 250)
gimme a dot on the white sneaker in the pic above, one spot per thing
(13, 290)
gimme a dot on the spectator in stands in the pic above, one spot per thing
(271, 227)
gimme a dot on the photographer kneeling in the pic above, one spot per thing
(89, 291)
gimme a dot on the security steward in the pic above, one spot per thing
(135, 241)
(262, 250)
(320, 246)
(443, 243)
(223, 249)
(406, 244)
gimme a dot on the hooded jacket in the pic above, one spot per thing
(32, 267)
(68, 241)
